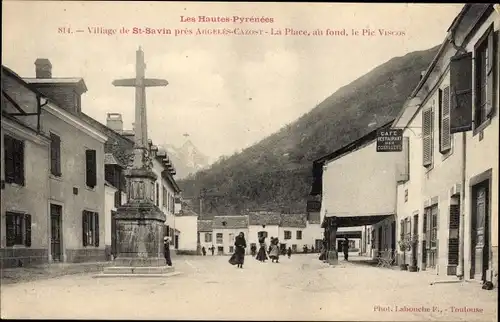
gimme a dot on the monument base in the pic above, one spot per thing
(332, 257)
(140, 271)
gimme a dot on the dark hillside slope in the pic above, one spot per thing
(275, 174)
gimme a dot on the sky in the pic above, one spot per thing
(226, 91)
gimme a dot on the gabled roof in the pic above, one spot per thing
(264, 218)
(294, 220)
(109, 159)
(230, 222)
(205, 225)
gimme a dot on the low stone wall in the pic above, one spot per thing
(85, 255)
(22, 257)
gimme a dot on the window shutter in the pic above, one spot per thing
(427, 137)
(461, 93)
(445, 134)
(84, 228)
(27, 230)
(96, 231)
(90, 156)
(55, 154)
(490, 74)
(9, 159)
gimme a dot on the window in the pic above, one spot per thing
(90, 226)
(18, 229)
(231, 238)
(218, 238)
(262, 234)
(208, 237)
(231, 249)
(294, 248)
(164, 200)
(14, 160)
(484, 59)
(299, 234)
(157, 194)
(91, 168)
(288, 234)
(55, 155)
(444, 120)
(461, 93)
(428, 135)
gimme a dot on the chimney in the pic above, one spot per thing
(114, 121)
(43, 68)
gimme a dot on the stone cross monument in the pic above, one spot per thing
(140, 222)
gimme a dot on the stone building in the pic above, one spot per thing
(451, 123)
(225, 229)
(71, 227)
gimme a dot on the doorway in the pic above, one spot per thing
(393, 236)
(379, 242)
(480, 231)
(55, 232)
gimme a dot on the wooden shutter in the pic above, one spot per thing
(490, 74)
(445, 135)
(55, 154)
(85, 223)
(96, 229)
(27, 230)
(9, 158)
(10, 228)
(91, 166)
(427, 136)
(461, 93)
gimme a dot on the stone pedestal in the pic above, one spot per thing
(139, 231)
(332, 257)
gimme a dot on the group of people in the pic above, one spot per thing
(204, 250)
(273, 250)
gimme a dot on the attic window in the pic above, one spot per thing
(224, 223)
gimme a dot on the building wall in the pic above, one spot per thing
(294, 241)
(312, 233)
(482, 156)
(227, 242)
(342, 193)
(30, 198)
(74, 142)
(205, 244)
(253, 230)
(188, 238)
(108, 209)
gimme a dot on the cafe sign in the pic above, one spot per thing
(390, 140)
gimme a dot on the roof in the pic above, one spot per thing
(111, 160)
(109, 184)
(205, 225)
(187, 212)
(59, 81)
(230, 222)
(264, 218)
(294, 220)
(353, 145)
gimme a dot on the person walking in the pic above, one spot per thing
(166, 251)
(261, 255)
(238, 257)
(289, 252)
(204, 251)
(345, 248)
(274, 253)
(212, 249)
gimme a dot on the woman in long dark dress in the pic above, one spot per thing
(166, 250)
(261, 255)
(238, 257)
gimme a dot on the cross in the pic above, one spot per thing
(140, 83)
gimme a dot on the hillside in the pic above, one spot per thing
(275, 174)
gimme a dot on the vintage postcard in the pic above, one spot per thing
(249, 161)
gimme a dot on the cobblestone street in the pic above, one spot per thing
(300, 288)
